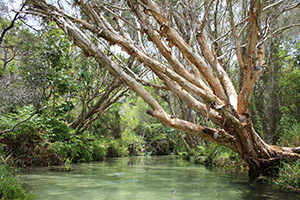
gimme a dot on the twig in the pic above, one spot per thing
(202, 23)
(237, 40)
(29, 25)
(115, 7)
(120, 17)
(272, 5)
(278, 31)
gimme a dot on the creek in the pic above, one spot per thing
(143, 178)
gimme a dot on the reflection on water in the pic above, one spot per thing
(142, 178)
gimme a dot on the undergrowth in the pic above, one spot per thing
(288, 176)
(10, 184)
(211, 154)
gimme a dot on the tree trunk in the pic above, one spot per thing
(263, 159)
(275, 107)
(86, 118)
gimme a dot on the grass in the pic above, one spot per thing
(289, 176)
(10, 185)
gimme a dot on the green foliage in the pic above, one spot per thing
(134, 114)
(63, 109)
(32, 138)
(55, 130)
(290, 136)
(117, 148)
(99, 150)
(81, 148)
(212, 154)
(68, 165)
(134, 143)
(10, 184)
(158, 138)
(47, 140)
(255, 118)
(39, 127)
(109, 124)
(144, 133)
(289, 126)
(288, 176)
(290, 90)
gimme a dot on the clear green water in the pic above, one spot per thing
(144, 178)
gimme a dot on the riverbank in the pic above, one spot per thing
(213, 156)
(50, 142)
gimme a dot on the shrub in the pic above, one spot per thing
(290, 136)
(116, 148)
(288, 176)
(212, 154)
(56, 130)
(99, 150)
(10, 185)
(81, 148)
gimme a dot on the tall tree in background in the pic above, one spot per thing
(49, 72)
(8, 47)
(195, 49)
(268, 102)
(14, 37)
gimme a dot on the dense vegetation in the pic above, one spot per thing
(10, 185)
(59, 107)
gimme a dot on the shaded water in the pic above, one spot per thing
(144, 178)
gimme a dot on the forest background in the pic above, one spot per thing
(59, 106)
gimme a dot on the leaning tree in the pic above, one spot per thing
(209, 54)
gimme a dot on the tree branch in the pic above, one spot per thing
(188, 52)
(17, 124)
(203, 21)
(252, 73)
(278, 31)
(5, 30)
(237, 40)
(272, 5)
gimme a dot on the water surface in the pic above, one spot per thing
(143, 178)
